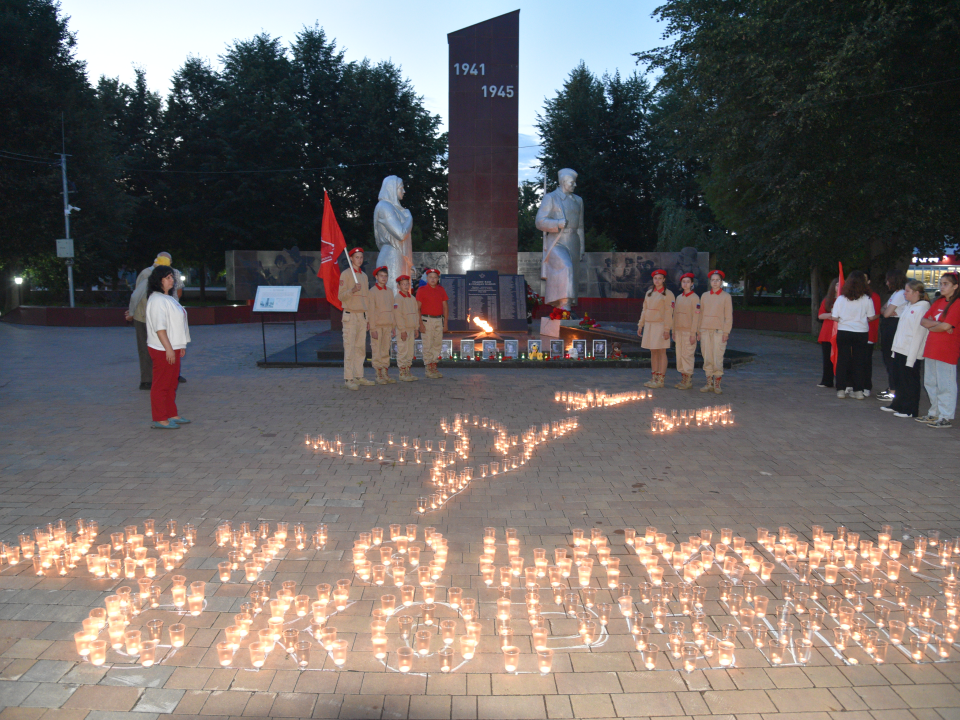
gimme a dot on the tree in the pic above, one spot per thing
(826, 131)
(49, 103)
(600, 128)
(529, 194)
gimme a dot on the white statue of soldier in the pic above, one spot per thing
(391, 228)
(560, 217)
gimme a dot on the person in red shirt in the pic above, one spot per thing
(432, 300)
(941, 352)
(873, 337)
(826, 333)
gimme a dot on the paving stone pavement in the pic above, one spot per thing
(75, 443)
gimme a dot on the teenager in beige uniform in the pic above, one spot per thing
(716, 322)
(654, 327)
(380, 302)
(406, 318)
(686, 324)
(352, 294)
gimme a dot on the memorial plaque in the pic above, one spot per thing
(513, 303)
(456, 287)
(483, 289)
(484, 115)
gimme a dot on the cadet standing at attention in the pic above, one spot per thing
(381, 325)
(686, 324)
(654, 326)
(352, 294)
(432, 300)
(716, 321)
(406, 318)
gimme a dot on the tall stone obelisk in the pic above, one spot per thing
(483, 123)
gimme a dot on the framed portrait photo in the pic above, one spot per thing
(511, 349)
(489, 348)
(467, 349)
(446, 349)
(581, 347)
(600, 349)
(418, 349)
(556, 348)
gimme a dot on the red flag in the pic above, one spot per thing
(833, 333)
(332, 245)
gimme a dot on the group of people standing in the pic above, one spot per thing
(688, 318)
(384, 315)
(917, 339)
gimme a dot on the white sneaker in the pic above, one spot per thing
(900, 414)
(885, 408)
(858, 395)
(866, 393)
(841, 395)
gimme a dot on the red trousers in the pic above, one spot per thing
(163, 391)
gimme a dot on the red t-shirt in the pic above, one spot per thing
(943, 346)
(826, 330)
(431, 299)
(873, 329)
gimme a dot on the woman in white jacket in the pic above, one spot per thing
(907, 351)
(167, 336)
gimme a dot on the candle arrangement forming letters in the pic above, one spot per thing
(781, 597)
(664, 421)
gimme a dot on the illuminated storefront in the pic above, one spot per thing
(929, 269)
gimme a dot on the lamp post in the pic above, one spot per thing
(18, 282)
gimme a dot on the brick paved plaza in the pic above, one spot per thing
(75, 443)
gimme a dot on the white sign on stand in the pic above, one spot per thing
(277, 298)
(65, 248)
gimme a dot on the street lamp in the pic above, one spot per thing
(18, 280)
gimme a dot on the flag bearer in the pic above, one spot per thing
(432, 300)
(352, 294)
(716, 322)
(686, 324)
(406, 318)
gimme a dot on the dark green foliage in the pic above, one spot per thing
(41, 81)
(600, 127)
(237, 157)
(825, 131)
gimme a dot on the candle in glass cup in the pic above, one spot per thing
(258, 654)
(98, 652)
(422, 642)
(195, 604)
(83, 642)
(511, 658)
(405, 659)
(177, 633)
(650, 653)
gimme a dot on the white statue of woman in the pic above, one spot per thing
(391, 228)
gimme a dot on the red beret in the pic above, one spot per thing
(382, 267)
(402, 277)
(717, 272)
(355, 251)
(689, 275)
(431, 270)
(659, 272)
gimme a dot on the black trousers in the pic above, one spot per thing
(146, 363)
(826, 378)
(908, 381)
(888, 328)
(868, 366)
(852, 355)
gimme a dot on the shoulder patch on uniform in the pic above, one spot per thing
(698, 306)
(673, 304)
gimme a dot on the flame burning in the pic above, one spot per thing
(483, 325)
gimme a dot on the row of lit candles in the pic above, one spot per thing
(664, 420)
(599, 398)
